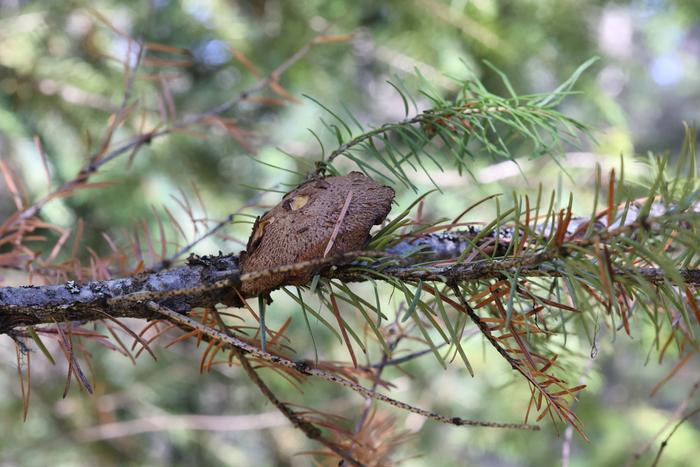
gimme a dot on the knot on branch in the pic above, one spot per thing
(321, 217)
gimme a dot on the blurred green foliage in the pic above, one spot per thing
(59, 84)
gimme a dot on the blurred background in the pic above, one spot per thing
(61, 79)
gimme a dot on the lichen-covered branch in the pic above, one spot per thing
(328, 243)
(180, 288)
(207, 281)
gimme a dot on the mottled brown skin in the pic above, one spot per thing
(301, 225)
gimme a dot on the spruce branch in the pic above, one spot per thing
(503, 277)
(206, 281)
(311, 431)
(677, 414)
(475, 121)
(108, 153)
(307, 368)
(530, 373)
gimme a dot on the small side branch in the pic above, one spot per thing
(311, 431)
(306, 369)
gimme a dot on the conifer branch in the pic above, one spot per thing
(104, 155)
(307, 368)
(476, 120)
(496, 276)
(311, 431)
(206, 281)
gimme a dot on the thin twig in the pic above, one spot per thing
(167, 262)
(311, 431)
(261, 84)
(98, 159)
(423, 117)
(552, 401)
(664, 443)
(391, 346)
(676, 415)
(306, 369)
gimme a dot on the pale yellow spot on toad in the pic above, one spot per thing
(299, 202)
(257, 235)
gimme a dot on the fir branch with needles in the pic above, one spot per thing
(475, 123)
(521, 280)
